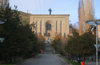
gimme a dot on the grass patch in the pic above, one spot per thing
(72, 62)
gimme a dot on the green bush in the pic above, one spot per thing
(72, 62)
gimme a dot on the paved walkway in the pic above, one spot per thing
(45, 59)
(91, 63)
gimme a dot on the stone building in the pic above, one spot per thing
(50, 25)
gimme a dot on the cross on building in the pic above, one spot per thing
(50, 10)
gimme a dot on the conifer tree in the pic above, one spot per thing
(19, 41)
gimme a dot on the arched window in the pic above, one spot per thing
(48, 26)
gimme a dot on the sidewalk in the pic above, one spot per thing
(45, 59)
(91, 63)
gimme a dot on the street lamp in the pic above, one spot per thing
(95, 23)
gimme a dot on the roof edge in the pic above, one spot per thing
(50, 15)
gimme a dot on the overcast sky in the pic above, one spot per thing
(58, 7)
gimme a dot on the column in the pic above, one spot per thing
(43, 27)
(56, 27)
(36, 27)
(64, 28)
(40, 27)
(60, 28)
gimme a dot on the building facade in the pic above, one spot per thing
(50, 25)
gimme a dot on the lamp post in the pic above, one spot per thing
(95, 23)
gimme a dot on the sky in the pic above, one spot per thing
(58, 7)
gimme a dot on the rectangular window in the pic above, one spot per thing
(48, 26)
